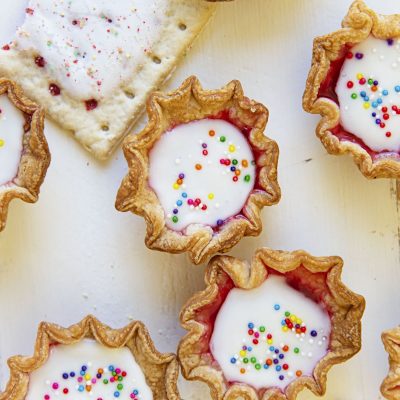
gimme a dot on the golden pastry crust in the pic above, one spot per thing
(35, 157)
(390, 387)
(359, 23)
(160, 370)
(190, 102)
(345, 306)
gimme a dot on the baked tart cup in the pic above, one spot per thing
(270, 328)
(201, 170)
(354, 85)
(92, 360)
(390, 387)
(24, 153)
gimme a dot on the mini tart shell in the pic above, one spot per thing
(35, 157)
(390, 387)
(189, 103)
(346, 310)
(160, 370)
(359, 23)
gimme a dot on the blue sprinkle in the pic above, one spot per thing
(184, 195)
(385, 92)
(378, 121)
(281, 377)
(233, 360)
(374, 114)
(249, 348)
(397, 88)
(250, 325)
(82, 373)
(233, 168)
(111, 368)
(277, 307)
(84, 367)
(314, 333)
(116, 394)
(374, 104)
(283, 322)
(366, 98)
(281, 356)
(136, 391)
(363, 94)
(278, 367)
(81, 388)
(272, 348)
(379, 101)
(266, 366)
(179, 203)
(65, 376)
(72, 374)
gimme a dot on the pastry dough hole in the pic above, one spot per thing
(129, 94)
(105, 127)
(182, 26)
(156, 60)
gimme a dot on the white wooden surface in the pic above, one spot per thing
(72, 254)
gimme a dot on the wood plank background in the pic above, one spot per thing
(72, 254)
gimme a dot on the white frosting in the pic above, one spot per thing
(48, 383)
(91, 46)
(11, 140)
(179, 151)
(257, 306)
(378, 60)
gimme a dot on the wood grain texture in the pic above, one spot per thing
(72, 254)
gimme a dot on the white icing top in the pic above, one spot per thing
(72, 373)
(189, 178)
(254, 343)
(11, 140)
(91, 46)
(368, 90)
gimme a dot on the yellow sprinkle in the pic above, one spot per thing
(367, 105)
(284, 328)
(175, 186)
(211, 196)
(293, 318)
(242, 353)
(2, 142)
(299, 321)
(359, 76)
(87, 377)
(269, 341)
(232, 148)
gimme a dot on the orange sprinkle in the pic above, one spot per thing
(211, 133)
(245, 163)
(237, 172)
(100, 371)
(269, 361)
(179, 181)
(88, 388)
(374, 88)
(198, 167)
(285, 348)
(242, 370)
(299, 373)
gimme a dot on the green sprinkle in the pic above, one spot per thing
(245, 360)
(287, 314)
(222, 139)
(253, 360)
(105, 381)
(120, 386)
(262, 328)
(120, 378)
(234, 162)
(257, 366)
(247, 178)
(370, 81)
(175, 219)
(354, 96)
(296, 350)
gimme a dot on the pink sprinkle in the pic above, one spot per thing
(118, 371)
(94, 380)
(46, 397)
(80, 379)
(55, 386)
